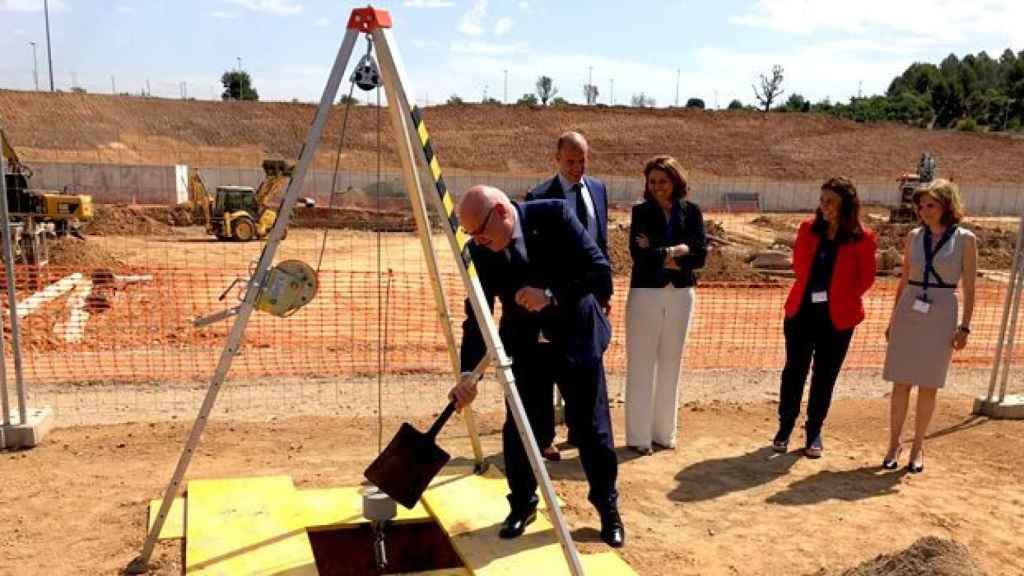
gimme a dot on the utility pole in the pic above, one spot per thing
(74, 80)
(504, 98)
(148, 91)
(239, 58)
(49, 50)
(716, 99)
(612, 91)
(35, 66)
(113, 85)
(677, 87)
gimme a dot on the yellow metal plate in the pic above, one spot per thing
(340, 507)
(174, 525)
(246, 526)
(471, 509)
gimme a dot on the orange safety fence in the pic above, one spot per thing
(128, 325)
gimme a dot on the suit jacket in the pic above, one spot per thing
(562, 258)
(852, 275)
(551, 189)
(687, 227)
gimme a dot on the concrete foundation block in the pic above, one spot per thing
(38, 423)
(1011, 408)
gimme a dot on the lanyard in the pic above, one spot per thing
(929, 257)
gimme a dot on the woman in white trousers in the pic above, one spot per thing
(667, 243)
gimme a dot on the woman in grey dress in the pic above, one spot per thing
(923, 329)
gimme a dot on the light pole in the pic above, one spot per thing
(677, 87)
(35, 66)
(49, 50)
(239, 58)
(590, 85)
(505, 93)
(612, 91)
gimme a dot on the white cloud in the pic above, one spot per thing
(426, 44)
(428, 3)
(19, 32)
(503, 26)
(322, 22)
(471, 23)
(524, 6)
(281, 7)
(940, 22)
(223, 15)
(487, 48)
(32, 6)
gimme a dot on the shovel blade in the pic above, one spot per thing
(405, 468)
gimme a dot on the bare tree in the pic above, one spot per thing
(771, 88)
(590, 93)
(546, 89)
(642, 100)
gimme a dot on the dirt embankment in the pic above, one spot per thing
(930, 556)
(492, 138)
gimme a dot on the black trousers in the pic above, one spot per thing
(586, 414)
(541, 389)
(810, 335)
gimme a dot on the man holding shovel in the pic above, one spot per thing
(550, 276)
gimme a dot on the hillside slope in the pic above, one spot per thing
(504, 139)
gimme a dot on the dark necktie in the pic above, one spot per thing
(581, 206)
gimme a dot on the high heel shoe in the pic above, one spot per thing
(916, 467)
(894, 462)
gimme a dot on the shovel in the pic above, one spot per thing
(411, 460)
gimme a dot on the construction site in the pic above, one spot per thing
(125, 310)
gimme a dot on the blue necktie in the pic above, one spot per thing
(581, 206)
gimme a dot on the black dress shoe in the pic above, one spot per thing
(612, 531)
(516, 523)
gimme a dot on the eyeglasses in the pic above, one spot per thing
(480, 230)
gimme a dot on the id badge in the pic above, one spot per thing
(819, 297)
(922, 306)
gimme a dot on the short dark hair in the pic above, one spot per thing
(676, 173)
(850, 227)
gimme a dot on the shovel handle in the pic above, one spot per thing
(441, 420)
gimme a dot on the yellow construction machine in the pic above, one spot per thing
(241, 213)
(910, 183)
(35, 214)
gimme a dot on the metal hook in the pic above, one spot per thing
(366, 74)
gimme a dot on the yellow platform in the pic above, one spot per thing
(259, 526)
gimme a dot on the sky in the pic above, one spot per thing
(710, 50)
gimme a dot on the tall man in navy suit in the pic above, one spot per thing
(588, 201)
(550, 277)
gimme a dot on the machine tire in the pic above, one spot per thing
(243, 229)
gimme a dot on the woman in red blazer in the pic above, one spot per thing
(834, 262)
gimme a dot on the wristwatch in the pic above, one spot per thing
(550, 295)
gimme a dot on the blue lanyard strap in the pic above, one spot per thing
(929, 257)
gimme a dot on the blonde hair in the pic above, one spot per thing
(946, 193)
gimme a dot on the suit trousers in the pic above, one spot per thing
(810, 335)
(587, 416)
(657, 321)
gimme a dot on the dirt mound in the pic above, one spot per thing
(353, 219)
(929, 556)
(65, 127)
(128, 221)
(180, 215)
(73, 252)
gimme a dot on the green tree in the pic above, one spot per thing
(795, 103)
(455, 100)
(735, 105)
(695, 103)
(528, 99)
(559, 101)
(770, 89)
(238, 86)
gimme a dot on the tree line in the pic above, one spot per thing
(972, 93)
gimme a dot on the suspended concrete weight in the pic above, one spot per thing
(38, 423)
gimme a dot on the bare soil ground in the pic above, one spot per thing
(720, 504)
(502, 139)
